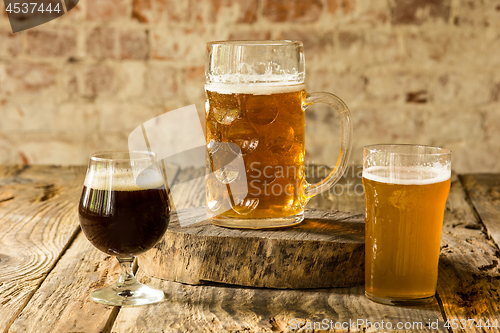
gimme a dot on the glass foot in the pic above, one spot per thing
(133, 294)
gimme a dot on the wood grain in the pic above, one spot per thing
(46, 276)
(65, 292)
(326, 250)
(80, 269)
(484, 192)
(469, 279)
(38, 223)
(223, 308)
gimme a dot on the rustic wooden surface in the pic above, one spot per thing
(38, 222)
(325, 250)
(47, 269)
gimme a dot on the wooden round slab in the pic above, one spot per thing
(326, 250)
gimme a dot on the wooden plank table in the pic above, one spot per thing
(48, 269)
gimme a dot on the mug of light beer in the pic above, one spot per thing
(406, 187)
(255, 110)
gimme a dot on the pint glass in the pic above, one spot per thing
(255, 112)
(406, 187)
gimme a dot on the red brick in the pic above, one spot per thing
(346, 6)
(347, 85)
(292, 10)
(195, 73)
(464, 87)
(42, 116)
(99, 80)
(134, 45)
(156, 11)
(349, 38)
(125, 116)
(100, 10)
(194, 88)
(56, 148)
(75, 15)
(112, 140)
(208, 11)
(102, 43)
(28, 78)
(476, 13)
(72, 85)
(11, 44)
(332, 6)
(131, 80)
(52, 43)
(70, 81)
(179, 43)
(194, 82)
(315, 44)
(495, 93)
(417, 12)
(378, 47)
(161, 83)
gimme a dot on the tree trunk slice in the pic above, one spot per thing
(326, 250)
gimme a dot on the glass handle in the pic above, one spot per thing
(345, 148)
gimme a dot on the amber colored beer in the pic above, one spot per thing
(404, 218)
(267, 123)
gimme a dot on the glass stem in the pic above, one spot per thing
(127, 275)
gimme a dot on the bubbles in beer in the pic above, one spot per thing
(213, 135)
(225, 116)
(244, 135)
(261, 173)
(265, 130)
(282, 141)
(407, 175)
(124, 179)
(261, 116)
(261, 110)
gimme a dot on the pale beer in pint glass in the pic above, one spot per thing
(406, 187)
(256, 100)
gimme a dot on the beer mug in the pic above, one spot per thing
(255, 115)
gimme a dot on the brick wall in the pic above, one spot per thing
(424, 71)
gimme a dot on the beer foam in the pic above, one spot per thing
(123, 180)
(254, 88)
(412, 175)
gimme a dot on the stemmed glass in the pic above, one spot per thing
(124, 211)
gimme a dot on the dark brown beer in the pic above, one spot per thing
(267, 123)
(124, 221)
